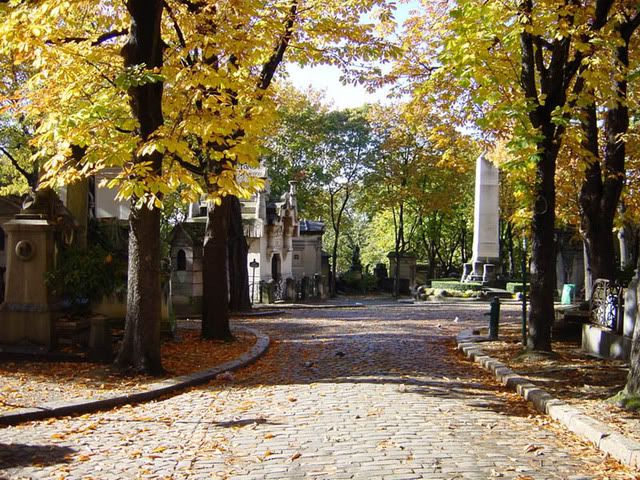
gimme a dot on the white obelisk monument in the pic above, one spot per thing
(486, 210)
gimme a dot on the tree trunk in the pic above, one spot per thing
(336, 219)
(215, 287)
(140, 348)
(78, 201)
(78, 205)
(632, 387)
(238, 251)
(334, 263)
(398, 245)
(603, 181)
(512, 258)
(543, 272)
(463, 247)
(596, 223)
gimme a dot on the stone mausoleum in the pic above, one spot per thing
(284, 259)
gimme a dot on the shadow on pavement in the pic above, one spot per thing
(16, 455)
(412, 348)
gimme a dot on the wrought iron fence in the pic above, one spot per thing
(279, 290)
(606, 305)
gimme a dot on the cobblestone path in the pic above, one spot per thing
(363, 393)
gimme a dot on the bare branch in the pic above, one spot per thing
(190, 167)
(192, 7)
(269, 68)
(176, 26)
(98, 41)
(27, 175)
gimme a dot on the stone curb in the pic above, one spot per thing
(618, 446)
(154, 390)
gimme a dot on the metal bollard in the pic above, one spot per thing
(494, 318)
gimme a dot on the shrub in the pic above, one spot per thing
(456, 285)
(368, 283)
(85, 275)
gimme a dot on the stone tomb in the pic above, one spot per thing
(283, 250)
(614, 341)
(26, 316)
(406, 271)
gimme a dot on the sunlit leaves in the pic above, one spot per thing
(216, 104)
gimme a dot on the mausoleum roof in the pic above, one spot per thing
(311, 226)
(194, 230)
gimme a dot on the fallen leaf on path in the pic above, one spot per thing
(295, 456)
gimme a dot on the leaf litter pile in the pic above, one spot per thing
(25, 384)
(569, 374)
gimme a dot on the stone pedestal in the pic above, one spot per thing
(27, 314)
(488, 272)
(477, 271)
(467, 269)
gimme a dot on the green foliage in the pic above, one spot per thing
(86, 274)
(367, 283)
(625, 400)
(437, 292)
(327, 154)
(14, 157)
(455, 285)
(515, 287)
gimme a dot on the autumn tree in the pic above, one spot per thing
(327, 152)
(190, 113)
(420, 174)
(292, 146)
(520, 63)
(246, 54)
(398, 169)
(91, 82)
(604, 148)
(17, 172)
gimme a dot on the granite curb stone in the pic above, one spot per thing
(623, 449)
(153, 391)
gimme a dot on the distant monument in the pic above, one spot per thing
(356, 263)
(486, 211)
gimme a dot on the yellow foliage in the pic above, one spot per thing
(217, 104)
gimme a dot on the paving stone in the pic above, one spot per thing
(397, 405)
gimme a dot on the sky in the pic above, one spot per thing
(327, 78)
